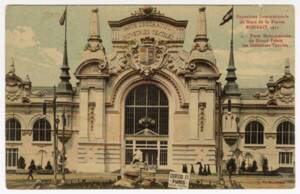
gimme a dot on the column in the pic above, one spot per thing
(83, 111)
(193, 114)
(99, 113)
(209, 114)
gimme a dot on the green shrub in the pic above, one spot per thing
(254, 166)
(21, 163)
(48, 166)
(265, 166)
(243, 166)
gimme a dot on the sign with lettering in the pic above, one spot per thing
(138, 30)
(179, 180)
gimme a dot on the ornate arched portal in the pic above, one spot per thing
(146, 126)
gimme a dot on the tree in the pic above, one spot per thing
(42, 152)
(48, 166)
(265, 166)
(192, 169)
(200, 169)
(237, 153)
(21, 163)
(254, 166)
(243, 166)
(204, 171)
(208, 170)
(231, 167)
(32, 165)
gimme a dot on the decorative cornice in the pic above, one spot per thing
(283, 90)
(148, 14)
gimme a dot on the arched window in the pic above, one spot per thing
(286, 133)
(146, 106)
(254, 133)
(13, 130)
(41, 130)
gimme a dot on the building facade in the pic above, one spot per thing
(149, 94)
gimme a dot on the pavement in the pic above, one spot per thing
(19, 181)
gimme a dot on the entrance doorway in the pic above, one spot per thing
(155, 152)
(147, 125)
(150, 157)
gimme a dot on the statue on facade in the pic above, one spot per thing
(137, 156)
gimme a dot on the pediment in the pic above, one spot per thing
(91, 68)
(146, 132)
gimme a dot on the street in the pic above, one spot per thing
(87, 180)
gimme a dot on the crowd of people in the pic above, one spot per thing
(203, 170)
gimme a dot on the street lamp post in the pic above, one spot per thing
(55, 126)
(55, 136)
(220, 138)
(63, 148)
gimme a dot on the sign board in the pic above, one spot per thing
(179, 180)
(137, 30)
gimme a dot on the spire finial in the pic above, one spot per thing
(231, 87)
(94, 25)
(94, 41)
(201, 23)
(64, 86)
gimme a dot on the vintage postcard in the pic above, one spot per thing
(150, 96)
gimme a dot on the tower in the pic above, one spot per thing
(64, 86)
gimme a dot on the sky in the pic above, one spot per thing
(34, 39)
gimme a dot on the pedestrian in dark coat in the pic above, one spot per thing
(30, 172)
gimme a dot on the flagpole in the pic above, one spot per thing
(232, 24)
(231, 42)
(66, 20)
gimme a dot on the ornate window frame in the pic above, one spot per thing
(282, 130)
(17, 136)
(36, 131)
(254, 133)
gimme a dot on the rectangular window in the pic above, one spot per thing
(163, 155)
(129, 152)
(11, 158)
(128, 156)
(285, 157)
